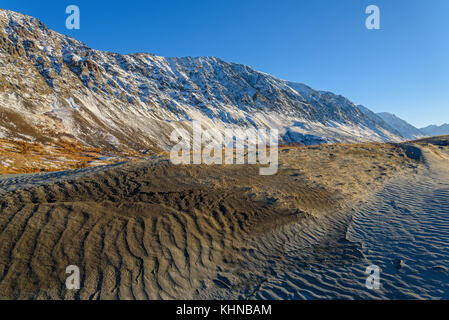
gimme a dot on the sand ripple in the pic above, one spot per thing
(404, 229)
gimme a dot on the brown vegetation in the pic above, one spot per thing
(19, 156)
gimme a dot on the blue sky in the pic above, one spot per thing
(402, 68)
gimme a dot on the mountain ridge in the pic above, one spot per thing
(434, 130)
(403, 127)
(54, 86)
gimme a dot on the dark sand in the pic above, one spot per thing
(152, 230)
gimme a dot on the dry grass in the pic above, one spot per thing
(18, 157)
(24, 147)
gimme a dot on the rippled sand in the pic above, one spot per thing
(152, 230)
(403, 229)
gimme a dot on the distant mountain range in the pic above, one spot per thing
(434, 130)
(403, 127)
(53, 86)
(410, 132)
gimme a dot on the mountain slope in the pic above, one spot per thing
(434, 130)
(377, 119)
(52, 87)
(403, 127)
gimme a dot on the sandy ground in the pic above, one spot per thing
(152, 230)
(403, 229)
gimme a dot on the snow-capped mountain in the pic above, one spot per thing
(434, 130)
(53, 86)
(403, 127)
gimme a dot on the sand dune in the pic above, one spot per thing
(152, 230)
(403, 229)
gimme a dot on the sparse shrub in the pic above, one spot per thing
(82, 164)
(24, 147)
(36, 147)
(3, 169)
(31, 170)
(68, 147)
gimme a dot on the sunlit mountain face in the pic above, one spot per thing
(54, 86)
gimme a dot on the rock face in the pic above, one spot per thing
(53, 86)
